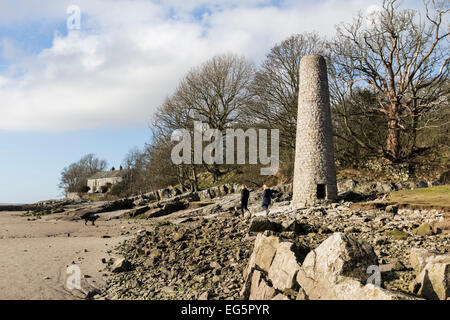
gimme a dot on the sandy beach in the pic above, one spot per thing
(35, 255)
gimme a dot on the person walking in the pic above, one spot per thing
(267, 196)
(245, 194)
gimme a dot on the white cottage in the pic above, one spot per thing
(100, 179)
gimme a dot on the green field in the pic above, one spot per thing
(425, 197)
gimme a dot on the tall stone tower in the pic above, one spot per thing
(314, 169)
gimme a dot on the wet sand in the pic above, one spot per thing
(34, 255)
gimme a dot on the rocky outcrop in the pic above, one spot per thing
(433, 273)
(284, 268)
(48, 206)
(337, 256)
(206, 251)
(263, 253)
(193, 258)
(335, 270)
(163, 207)
(121, 265)
(121, 204)
(338, 269)
(350, 189)
(218, 191)
(272, 269)
(260, 289)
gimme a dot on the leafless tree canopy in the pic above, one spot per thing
(74, 177)
(388, 79)
(215, 93)
(275, 86)
(403, 57)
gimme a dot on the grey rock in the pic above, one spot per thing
(262, 224)
(284, 267)
(260, 289)
(121, 265)
(263, 253)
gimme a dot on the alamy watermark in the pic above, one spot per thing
(74, 19)
(375, 277)
(73, 280)
(221, 149)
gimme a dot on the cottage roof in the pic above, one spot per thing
(108, 174)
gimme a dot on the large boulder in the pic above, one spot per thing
(433, 273)
(337, 256)
(345, 185)
(272, 268)
(284, 268)
(260, 289)
(365, 187)
(352, 289)
(418, 257)
(434, 280)
(338, 269)
(263, 253)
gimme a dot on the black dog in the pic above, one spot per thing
(91, 218)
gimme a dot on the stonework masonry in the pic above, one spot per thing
(314, 169)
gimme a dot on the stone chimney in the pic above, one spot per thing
(314, 168)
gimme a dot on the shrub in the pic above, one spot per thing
(106, 187)
(84, 189)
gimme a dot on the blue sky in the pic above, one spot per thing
(64, 94)
(30, 163)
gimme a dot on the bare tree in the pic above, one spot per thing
(74, 177)
(215, 93)
(275, 86)
(403, 57)
(135, 180)
(172, 115)
(161, 171)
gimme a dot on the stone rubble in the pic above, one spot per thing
(222, 255)
(197, 245)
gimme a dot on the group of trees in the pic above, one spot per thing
(74, 177)
(388, 78)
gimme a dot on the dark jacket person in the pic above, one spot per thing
(245, 194)
(267, 196)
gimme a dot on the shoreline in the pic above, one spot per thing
(36, 254)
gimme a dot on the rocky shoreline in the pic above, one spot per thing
(199, 246)
(205, 257)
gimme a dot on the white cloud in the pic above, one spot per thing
(128, 55)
